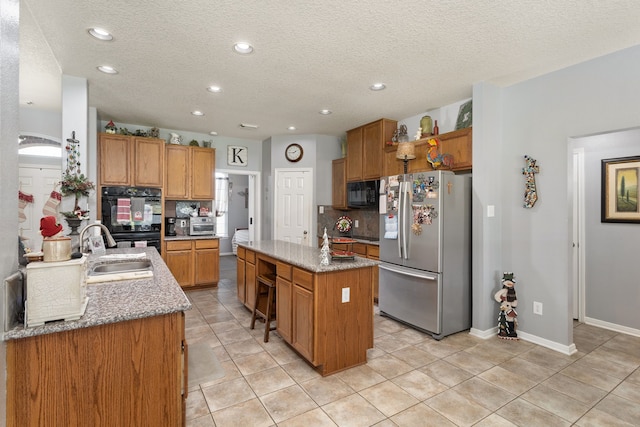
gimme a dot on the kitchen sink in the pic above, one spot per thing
(120, 267)
(113, 271)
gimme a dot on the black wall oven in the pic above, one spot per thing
(132, 215)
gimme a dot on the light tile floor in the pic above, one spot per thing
(409, 379)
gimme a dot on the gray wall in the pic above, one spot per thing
(537, 117)
(611, 249)
(238, 214)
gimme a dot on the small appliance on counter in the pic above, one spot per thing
(170, 226)
(182, 227)
(202, 226)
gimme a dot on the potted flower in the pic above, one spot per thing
(79, 186)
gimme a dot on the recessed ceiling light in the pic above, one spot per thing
(243, 48)
(100, 34)
(214, 89)
(214, 133)
(325, 112)
(197, 113)
(107, 69)
(291, 128)
(377, 86)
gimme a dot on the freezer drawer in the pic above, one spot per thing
(411, 296)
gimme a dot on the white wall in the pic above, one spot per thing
(537, 117)
(41, 123)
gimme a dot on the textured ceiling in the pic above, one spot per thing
(309, 55)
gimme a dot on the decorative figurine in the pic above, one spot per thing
(530, 192)
(426, 125)
(110, 127)
(418, 134)
(434, 157)
(507, 319)
(325, 252)
(174, 138)
(154, 132)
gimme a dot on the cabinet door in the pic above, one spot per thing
(203, 165)
(114, 159)
(458, 144)
(302, 331)
(176, 172)
(149, 162)
(250, 284)
(283, 308)
(206, 266)
(372, 149)
(354, 155)
(339, 184)
(181, 265)
(241, 281)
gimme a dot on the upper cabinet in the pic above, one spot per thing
(456, 143)
(339, 184)
(189, 173)
(130, 161)
(365, 148)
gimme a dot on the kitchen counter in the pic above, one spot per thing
(305, 257)
(178, 238)
(119, 301)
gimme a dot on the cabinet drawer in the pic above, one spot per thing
(373, 251)
(360, 249)
(241, 253)
(303, 278)
(206, 244)
(284, 270)
(179, 245)
(250, 256)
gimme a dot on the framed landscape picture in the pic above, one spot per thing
(620, 190)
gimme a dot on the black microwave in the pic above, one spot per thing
(363, 194)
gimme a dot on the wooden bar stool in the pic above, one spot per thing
(265, 305)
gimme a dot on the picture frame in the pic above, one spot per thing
(620, 190)
(97, 245)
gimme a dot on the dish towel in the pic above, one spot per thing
(124, 210)
(391, 227)
(137, 208)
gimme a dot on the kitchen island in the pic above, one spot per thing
(122, 363)
(324, 312)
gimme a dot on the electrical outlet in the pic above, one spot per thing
(346, 294)
(537, 308)
(356, 223)
(321, 210)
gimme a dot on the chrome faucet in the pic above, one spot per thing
(110, 242)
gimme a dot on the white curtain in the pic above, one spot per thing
(222, 195)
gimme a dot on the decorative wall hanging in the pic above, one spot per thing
(530, 192)
(465, 115)
(507, 318)
(23, 200)
(434, 157)
(620, 190)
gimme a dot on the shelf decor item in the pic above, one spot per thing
(620, 190)
(465, 115)
(74, 182)
(406, 151)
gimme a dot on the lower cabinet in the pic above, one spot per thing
(302, 313)
(129, 373)
(193, 263)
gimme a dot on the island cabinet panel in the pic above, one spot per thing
(303, 322)
(240, 274)
(250, 279)
(284, 298)
(128, 373)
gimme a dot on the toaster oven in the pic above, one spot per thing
(202, 226)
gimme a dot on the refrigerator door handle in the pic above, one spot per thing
(406, 204)
(400, 217)
(406, 272)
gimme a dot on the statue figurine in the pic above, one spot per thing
(507, 319)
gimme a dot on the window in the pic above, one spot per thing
(222, 204)
(29, 145)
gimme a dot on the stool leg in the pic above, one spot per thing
(267, 320)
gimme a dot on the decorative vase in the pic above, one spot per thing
(74, 224)
(426, 125)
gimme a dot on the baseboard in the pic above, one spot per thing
(226, 253)
(612, 326)
(493, 332)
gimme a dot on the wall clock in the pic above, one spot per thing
(237, 156)
(293, 152)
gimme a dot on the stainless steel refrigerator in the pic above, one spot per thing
(425, 251)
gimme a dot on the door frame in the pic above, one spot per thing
(576, 178)
(276, 195)
(255, 207)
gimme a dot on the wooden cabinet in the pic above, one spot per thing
(373, 252)
(128, 373)
(130, 161)
(249, 296)
(284, 289)
(193, 263)
(457, 143)
(339, 184)
(240, 274)
(189, 173)
(365, 148)
(302, 320)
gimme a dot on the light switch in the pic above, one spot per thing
(491, 211)
(321, 210)
(356, 223)
(346, 294)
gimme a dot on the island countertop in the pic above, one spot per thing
(305, 257)
(119, 301)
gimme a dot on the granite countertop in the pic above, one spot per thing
(305, 257)
(119, 301)
(175, 238)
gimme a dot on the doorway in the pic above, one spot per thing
(292, 206)
(578, 234)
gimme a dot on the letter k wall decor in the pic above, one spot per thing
(237, 156)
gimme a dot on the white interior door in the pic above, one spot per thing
(39, 181)
(293, 199)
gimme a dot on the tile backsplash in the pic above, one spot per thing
(368, 222)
